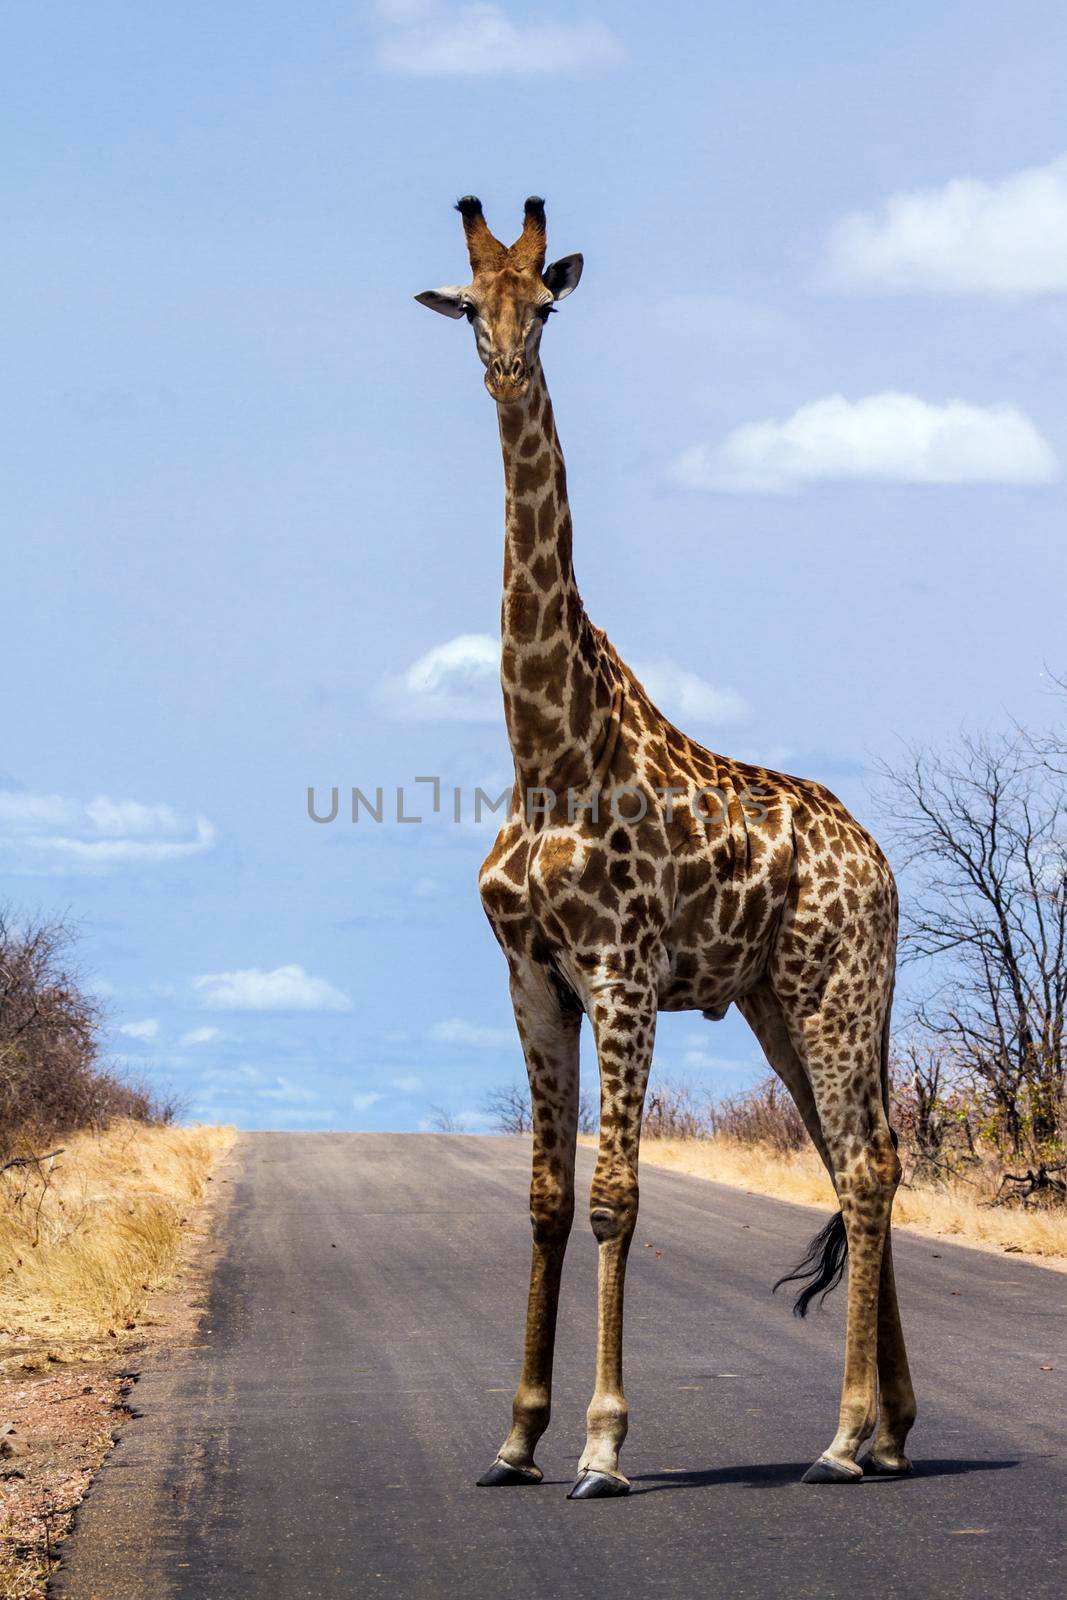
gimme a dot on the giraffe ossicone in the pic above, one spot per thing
(787, 910)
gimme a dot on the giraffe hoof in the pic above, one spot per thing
(597, 1486)
(826, 1470)
(503, 1475)
(887, 1466)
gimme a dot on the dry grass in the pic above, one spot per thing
(84, 1238)
(958, 1209)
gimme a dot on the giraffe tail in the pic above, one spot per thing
(822, 1268)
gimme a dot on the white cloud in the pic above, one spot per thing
(885, 437)
(287, 988)
(431, 38)
(695, 1055)
(458, 681)
(234, 1077)
(685, 696)
(409, 1085)
(48, 833)
(457, 1031)
(141, 1030)
(198, 1036)
(1008, 236)
(364, 1101)
(290, 1093)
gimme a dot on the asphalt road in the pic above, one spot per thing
(353, 1375)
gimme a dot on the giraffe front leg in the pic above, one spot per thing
(624, 1034)
(549, 1035)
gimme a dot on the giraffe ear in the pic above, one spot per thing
(562, 275)
(449, 302)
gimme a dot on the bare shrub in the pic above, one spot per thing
(944, 1122)
(673, 1110)
(764, 1114)
(51, 1076)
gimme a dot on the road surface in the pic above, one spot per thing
(352, 1379)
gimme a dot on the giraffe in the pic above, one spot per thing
(638, 872)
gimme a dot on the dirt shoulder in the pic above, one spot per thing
(63, 1399)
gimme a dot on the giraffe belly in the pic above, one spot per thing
(710, 977)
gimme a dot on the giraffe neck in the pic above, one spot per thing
(559, 683)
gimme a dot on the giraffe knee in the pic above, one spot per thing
(868, 1169)
(886, 1170)
(551, 1211)
(613, 1205)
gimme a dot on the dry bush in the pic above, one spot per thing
(51, 1077)
(955, 1138)
(86, 1234)
(674, 1109)
(764, 1115)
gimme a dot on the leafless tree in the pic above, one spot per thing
(588, 1113)
(509, 1107)
(443, 1121)
(981, 832)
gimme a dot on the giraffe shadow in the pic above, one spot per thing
(783, 1474)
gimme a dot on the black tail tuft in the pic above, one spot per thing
(822, 1268)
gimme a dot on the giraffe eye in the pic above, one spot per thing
(470, 312)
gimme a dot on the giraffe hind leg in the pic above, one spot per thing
(866, 1173)
(896, 1397)
(825, 1262)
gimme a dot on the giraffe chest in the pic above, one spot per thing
(577, 897)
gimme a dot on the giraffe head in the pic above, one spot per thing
(509, 297)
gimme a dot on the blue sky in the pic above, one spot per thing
(810, 391)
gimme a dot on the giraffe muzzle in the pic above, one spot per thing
(507, 377)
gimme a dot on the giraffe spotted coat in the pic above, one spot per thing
(639, 872)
